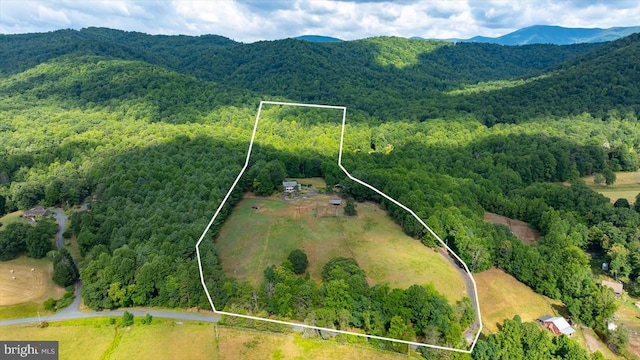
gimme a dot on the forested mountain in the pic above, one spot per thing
(154, 129)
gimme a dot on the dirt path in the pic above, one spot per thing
(592, 342)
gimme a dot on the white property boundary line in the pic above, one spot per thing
(246, 164)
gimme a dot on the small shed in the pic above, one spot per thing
(615, 286)
(557, 325)
(335, 202)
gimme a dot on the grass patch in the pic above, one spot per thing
(91, 339)
(250, 240)
(24, 295)
(627, 186)
(629, 317)
(492, 86)
(10, 218)
(316, 182)
(75, 342)
(502, 297)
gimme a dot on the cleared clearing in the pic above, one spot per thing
(502, 297)
(252, 239)
(520, 229)
(627, 186)
(24, 295)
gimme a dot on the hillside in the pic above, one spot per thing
(598, 82)
(154, 135)
(382, 77)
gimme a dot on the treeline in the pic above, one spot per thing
(344, 300)
(17, 238)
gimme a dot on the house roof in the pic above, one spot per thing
(289, 183)
(36, 211)
(561, 324)
(615, 286)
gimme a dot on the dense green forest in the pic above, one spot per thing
(152, 131)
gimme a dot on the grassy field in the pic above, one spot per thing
(165, 339)
(251, 240)
(502, 296)
(627, 186)
(24, 295)
(520, 229)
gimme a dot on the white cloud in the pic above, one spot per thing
(253, 20)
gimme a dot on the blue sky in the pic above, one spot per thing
(254, 20)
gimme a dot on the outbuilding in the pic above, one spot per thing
(615, 286)
(557, 325)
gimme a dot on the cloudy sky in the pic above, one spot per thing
(253, 20)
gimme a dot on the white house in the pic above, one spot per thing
(290, 186)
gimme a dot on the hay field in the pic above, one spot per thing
(252, 239)
(165, 339)
(502, 297)
(24, 295)
(627, 186)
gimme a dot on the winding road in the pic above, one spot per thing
(470, 333)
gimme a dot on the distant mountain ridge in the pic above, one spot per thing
(558, 35)
(317, 38)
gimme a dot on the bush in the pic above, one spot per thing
(299, 261)
(50, 304)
